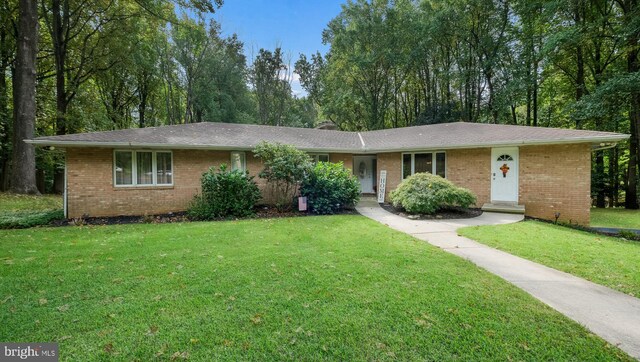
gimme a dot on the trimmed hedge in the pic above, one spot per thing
(27, 219)
(329, 187)
(225, 193)
(424, 193)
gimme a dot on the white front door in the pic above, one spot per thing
(504, 174)
(363, 169)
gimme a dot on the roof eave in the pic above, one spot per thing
(593, 140)
(85, 144)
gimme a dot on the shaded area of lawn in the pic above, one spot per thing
(616, 218)
(335, 287)
(22, 211)
(17, 203)
(605, 260)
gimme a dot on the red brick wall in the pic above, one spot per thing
(392, 163)
(554, 179)
(471, 169)
(91, 192)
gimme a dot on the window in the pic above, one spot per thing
(423, 162)
(238, 161)
(432, 162)
(441, 162)
(406, 165)
(142, 168)
(124, 168)
(505, 158)
(164, 173)
(319, 157)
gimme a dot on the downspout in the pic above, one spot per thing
(604, 146)
(64, 194)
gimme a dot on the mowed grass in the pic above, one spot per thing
(609, 261)
(616, 218)
(19, 203)
(312, 288)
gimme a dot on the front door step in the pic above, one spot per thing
(506, 208)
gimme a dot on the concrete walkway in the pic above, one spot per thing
(612, 315)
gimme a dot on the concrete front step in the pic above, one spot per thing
(507, 208)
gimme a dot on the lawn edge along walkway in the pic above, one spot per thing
(612, 315)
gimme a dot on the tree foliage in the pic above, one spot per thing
(569, 64)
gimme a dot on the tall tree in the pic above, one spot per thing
(631, 16)
(8, 12)
(271, 80)
(23, 178)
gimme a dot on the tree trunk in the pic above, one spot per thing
(23, 177)
(5, 120)
(631, 198)
(5, 117)
(535, 93)
(580, 74)
(613, 177)
(599, 179)
(633, 65)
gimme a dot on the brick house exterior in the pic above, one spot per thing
(553, 166)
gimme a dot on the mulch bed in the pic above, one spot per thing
(262, 212)
(446, 214)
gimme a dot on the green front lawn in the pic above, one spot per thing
(21, 211)
(335, 287)
(609, 261)
(616, 218)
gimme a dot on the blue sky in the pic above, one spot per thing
(295, 25)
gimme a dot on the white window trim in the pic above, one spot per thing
(244, 160)
(413, 162)
(134, 166)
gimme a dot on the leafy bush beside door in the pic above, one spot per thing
(424, 193)
(330, 187)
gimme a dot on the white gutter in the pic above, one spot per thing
(604, 147)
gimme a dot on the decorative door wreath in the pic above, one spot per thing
(362, 169)
(504, 170)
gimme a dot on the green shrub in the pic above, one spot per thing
(27, 219)
(424, 193)
(224, 194)
(330, 187)
(284, 168)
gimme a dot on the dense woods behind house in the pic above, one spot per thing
(105, 64)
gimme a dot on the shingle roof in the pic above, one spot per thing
(465, 135)
(245, 137)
